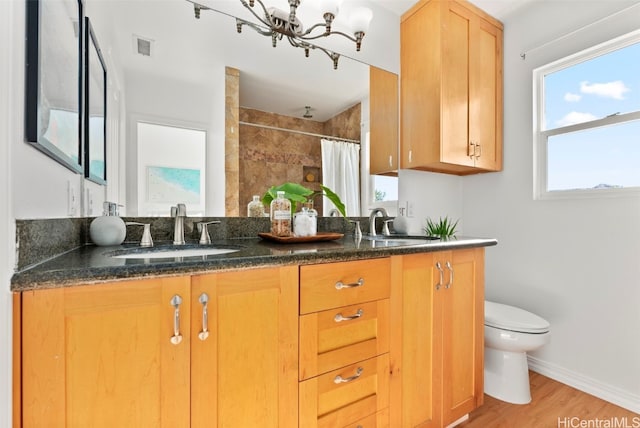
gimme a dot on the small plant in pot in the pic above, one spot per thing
(444, 228)
(298, 193)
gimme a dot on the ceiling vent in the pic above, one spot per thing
(143, 46)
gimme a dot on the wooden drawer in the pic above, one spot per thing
(327, 404)
(327, 344)
(320, 288)
(378, 420)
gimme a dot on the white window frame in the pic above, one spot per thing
(541, 137)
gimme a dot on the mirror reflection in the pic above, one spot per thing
(176, 71)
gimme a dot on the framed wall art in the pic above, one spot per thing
(95, 108)
(53, 86)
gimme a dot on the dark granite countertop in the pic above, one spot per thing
(90, 264)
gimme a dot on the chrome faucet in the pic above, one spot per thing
(376, 212)
(179, 212)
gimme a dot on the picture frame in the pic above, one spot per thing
(95, 111)
(53, 80)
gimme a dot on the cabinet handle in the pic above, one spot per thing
(339, 379)
(390, 160)
(340, 285)
(479, 147)
(410, 156)
(439, 284)
(204, 333)
(339, 317)
(176, 301)
(450, 283)
(470, 153)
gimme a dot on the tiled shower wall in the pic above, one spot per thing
(270, 157)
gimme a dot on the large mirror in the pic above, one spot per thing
(173, 70)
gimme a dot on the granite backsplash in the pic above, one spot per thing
(43, 239)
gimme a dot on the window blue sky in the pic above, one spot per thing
(593, 89)
(601, 157)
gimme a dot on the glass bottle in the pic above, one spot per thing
(255, 207)
(281, 215)
(305, 222)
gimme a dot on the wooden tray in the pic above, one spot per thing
(320, 236)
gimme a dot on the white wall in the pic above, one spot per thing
(573, 262)
(179, 104)
(8, 139)
(431, 195)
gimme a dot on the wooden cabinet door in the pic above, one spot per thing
(101, 356)
(245, 372)
(485, 100)
(457, 48)
(420, 88)
(462, 301)
(451, 88)
(384, 121)
(416, 353)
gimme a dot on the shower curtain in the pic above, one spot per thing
(341, 173)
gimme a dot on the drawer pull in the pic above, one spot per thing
(340, 285)
(339, 379)
(450, 283)
(439, 267)
(339, 317)
(175, 302)
(204, 333)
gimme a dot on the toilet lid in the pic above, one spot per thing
(514, 319)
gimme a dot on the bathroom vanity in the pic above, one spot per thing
(330, 334)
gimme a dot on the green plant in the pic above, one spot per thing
(444, 228)
(298, 193)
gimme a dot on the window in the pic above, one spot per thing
(381, 190)
(587, 122)
(171, 169)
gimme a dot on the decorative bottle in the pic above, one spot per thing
(109, 229)
(255, 207)
(281, 215)
(305, 222)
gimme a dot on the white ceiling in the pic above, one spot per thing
(279, 80)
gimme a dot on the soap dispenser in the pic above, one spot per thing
(109, 229)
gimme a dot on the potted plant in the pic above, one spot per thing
(444, 228)
(298, 193)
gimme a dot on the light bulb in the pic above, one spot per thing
(330, 6)
(360, 19)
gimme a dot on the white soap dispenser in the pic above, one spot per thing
(109, 229)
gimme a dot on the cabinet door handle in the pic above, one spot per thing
(479, 147)
(390, 160)
(339, 317)
(339, 379)
(410, 156)
(176, 301)
(471, 152)
(450, 283)
(204, 333)
(340, 285)
(439, 267)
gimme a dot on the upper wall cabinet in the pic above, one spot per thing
(384, 117)
(451, 88)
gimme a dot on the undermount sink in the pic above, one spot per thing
(172, 251)
(394, 240)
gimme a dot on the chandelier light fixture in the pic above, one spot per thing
(279, 24)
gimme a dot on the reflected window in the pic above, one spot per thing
(171, 169)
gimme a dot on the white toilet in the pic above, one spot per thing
(509, 333)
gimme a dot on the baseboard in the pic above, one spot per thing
(586, 384)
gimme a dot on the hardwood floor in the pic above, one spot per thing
(553, 405)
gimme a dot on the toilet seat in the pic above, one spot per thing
(510, 318)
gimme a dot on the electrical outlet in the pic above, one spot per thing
(89, 203)
(410, 211)
(72, 199)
